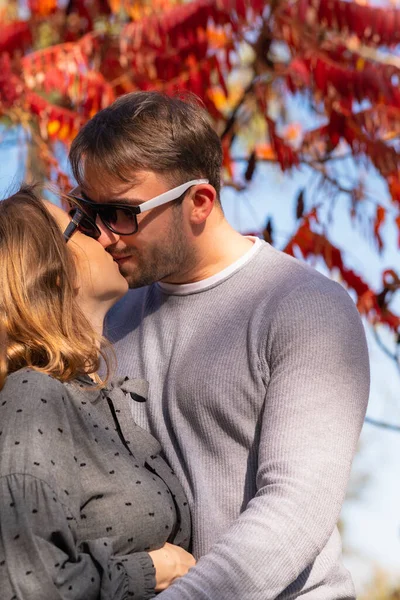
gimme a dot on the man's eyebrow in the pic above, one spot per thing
(127, 201)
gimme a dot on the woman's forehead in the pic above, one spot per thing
(58, 213)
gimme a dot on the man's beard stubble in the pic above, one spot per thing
(168, 259)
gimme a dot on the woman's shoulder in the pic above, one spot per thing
(35, 429)
(33, 379)
(29, 387)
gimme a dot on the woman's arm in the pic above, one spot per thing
(40, 558)
(170, 563)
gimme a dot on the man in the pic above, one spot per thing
(257, 363)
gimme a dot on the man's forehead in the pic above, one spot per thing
(101, 186)
(104, 190)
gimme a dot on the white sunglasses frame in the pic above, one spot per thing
(170, 195)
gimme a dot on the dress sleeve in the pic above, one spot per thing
(40, 556)
(316, 363)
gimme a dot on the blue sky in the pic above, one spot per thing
(372, 532)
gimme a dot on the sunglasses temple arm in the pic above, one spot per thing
(169, 196)
(70, 230)
(73, 225)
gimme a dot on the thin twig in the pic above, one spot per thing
(382, 424)
(385, 349)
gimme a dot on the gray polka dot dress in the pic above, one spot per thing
(84, 492)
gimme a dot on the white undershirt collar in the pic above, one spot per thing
(183, 289)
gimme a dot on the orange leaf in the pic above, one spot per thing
(292, 132)
(42, 8)
(64, 132)
(227, 161)
(366, 302)
(265, 151)
(217, 37)
(53, 127)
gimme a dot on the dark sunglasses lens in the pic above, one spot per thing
(86, 225)
(118, 219)
(88, 228)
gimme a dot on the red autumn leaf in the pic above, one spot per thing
(65, 69)
(311, 243)
(372, 24)
(42, 8)
(192, 46)
(299, 71)
(227, 162)
(394, 187)
(390, 279)
(15, 36)
(11, 87)
(397, 221)
(286, 156)
(379, 220)
(371, 82)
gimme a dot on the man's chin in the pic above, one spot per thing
(136, 279)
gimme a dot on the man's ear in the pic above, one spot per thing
(202, 202)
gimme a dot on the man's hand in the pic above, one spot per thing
(170, 562)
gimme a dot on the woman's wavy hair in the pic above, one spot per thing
(41, 323)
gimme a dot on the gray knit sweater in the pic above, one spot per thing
(258, 390)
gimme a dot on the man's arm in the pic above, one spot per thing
(315, 405)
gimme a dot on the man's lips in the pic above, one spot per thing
(121, 259)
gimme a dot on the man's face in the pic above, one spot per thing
(161, 249)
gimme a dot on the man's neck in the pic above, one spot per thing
(217, 248)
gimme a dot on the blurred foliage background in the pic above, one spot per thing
(309, 85)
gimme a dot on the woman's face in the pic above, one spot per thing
(99, 279)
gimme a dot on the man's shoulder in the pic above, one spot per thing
(284, 290)
(296, 288)
(281, 273)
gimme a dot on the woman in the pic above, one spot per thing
(88, 508)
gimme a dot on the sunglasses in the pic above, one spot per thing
(80, 222)
(120, 218)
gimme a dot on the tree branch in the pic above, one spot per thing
(382, 424)
(231, 121)
(385, 349)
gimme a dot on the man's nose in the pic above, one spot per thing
(107, 237)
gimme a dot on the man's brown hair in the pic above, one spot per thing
(149, 131)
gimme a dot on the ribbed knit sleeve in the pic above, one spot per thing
(315, 360)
